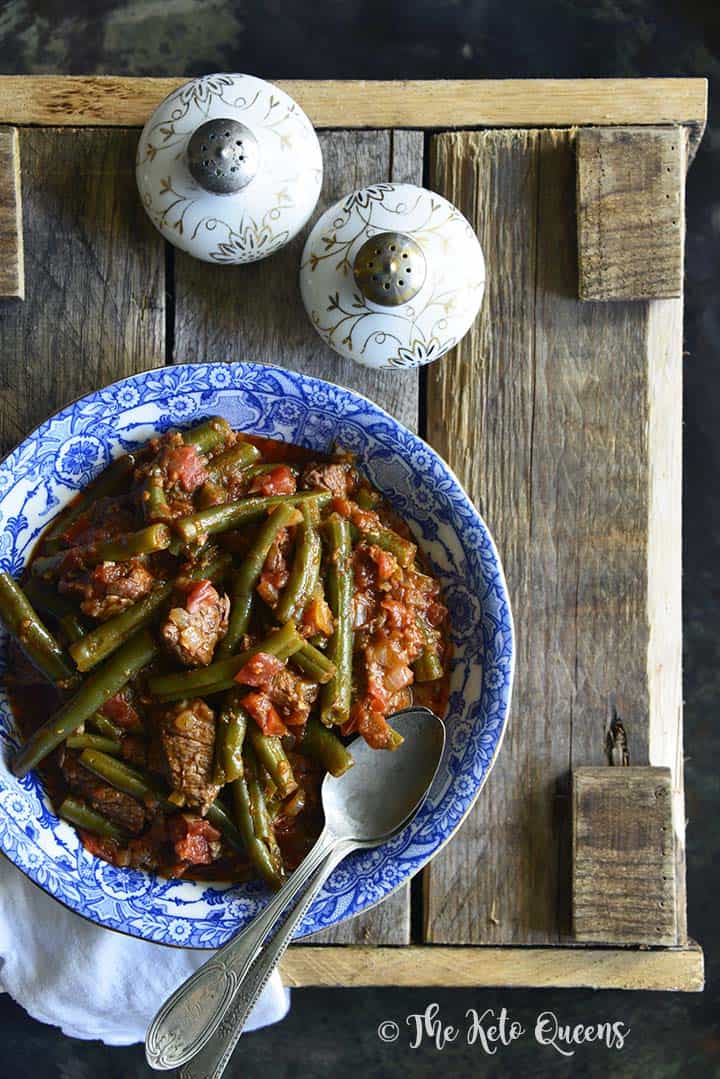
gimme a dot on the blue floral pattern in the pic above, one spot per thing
(65, 452)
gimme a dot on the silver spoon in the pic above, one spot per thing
(364, 808)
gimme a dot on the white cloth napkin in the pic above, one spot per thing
(91, 982)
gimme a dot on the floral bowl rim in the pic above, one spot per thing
(220, 911)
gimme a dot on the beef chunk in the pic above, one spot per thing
(192, 631)
(187, 732)
(110, 587)
(194, 839)
(336, 477)
(118, 807)
(292, 696)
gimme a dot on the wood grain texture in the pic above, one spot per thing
(678, 969)
(664, 661)
(126, 102)
(543, 412)
(630, 212)
(95, 306)
(255, 313)
(12, 270)
(623, 869)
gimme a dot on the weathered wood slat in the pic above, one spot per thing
(679, 969)
(630, 212)
(543, 412)
(12, 271)
(623, 864)
(95, 305)
(122, 101)
(255, 313)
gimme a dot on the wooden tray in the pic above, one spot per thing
(562, 417)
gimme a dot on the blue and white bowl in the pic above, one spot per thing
(67, 451)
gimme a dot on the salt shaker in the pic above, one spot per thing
(392, 276)
(229, 168)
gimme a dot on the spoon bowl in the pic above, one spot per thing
(381, 792)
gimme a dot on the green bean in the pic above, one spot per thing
(221, 675)
(36, 640)
(105, 727)
(269, 466)
(232, 461)
(218, 817)
(323, 745)
(404, 550)
(395, 739)
(258, 851)
(229, 739)
(262, 825)
(104, 683)
(108, 636)
(154, 502)
(94, 741)
(210, 494)
(305, 571)
(231, 514)
(209, 434)
(71, 628)
(336, 694)
(122, 776)
(246, 578)
(314, 663)
(269, 751)
(366, 498)
(428, 665)
(109, 482)
(82, 816)
(155, 537)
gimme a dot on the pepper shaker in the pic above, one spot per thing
(392, 276)
(229, 168)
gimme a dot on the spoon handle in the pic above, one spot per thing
(189, 1018)
(212, 1061)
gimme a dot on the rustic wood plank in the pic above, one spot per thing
(623, 863)
(12, 270)
(678, 969)
(95, 307)
(664, 660)
(255, 313)
(126, 102)
(543, 412)
(630, 212)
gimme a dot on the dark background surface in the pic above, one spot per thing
(335, 1031)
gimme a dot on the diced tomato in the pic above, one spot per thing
(186, 467)
(386, 563)
(342, 506)
(259, 670)
(367, 721)
(120, 711)
(280, 481)
(99, 846)
(296, 719)
(191, 838)
(201, 594)
(263, 711)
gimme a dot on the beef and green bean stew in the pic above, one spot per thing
(207, 627)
